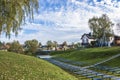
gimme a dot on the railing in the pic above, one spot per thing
(113, 57)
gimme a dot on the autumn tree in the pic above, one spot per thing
(31, 46)
(15, 46)
(64, 45)
(55, 44)
(101, 28)
(49, 45)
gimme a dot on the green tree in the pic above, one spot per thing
(73, 45)
(14, 12)
(55, 44)
(8, 44)
(1, 44)
(64, 45)
(15, 46)
(101, 28)
(78, 45)
(49, 45)
(31, 46)
(118, 26)
(40, 44)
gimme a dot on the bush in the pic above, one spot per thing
(93, 43)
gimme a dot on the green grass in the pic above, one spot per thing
(20, 67)
(93, 55)
(113, 63)
(60, 52)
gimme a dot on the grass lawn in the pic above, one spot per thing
(20, 67)
(92, 55)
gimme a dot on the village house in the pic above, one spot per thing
(87, 39)
(117, 40)
(4, 47)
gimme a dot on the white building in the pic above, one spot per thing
(87, 39)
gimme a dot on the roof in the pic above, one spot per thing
(88, 35)
(117, 37)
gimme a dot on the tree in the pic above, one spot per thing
(15, 46)
(55, 44)
(64, 45)
(73, 45)
(101, 28)
(49, 45)
(14, 12)
(118, 26)
(31, 46)
(1, 44)
(77, 45)
(8, 45)
(40, 44)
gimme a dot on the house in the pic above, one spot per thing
(61, 47)
(4, 47)
(117, 40)
(87, 39)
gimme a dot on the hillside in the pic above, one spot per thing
(20, 67)
(92, 55)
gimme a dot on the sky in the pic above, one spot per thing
(65, 20)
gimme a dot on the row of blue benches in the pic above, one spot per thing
(93, 75)
(113, 70)
(70, 61)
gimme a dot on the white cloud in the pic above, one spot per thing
(67, 24)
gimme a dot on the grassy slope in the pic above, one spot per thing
(20, 67)
(93, 55)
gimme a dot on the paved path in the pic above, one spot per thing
(44, 56)
(80, 70)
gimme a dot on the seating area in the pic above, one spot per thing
(82, 72)
(70, 61)
(107, 69)
(95, 75)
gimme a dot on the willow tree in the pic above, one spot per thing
(14, 12)
(101, 28)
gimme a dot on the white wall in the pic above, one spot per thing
(85, 39)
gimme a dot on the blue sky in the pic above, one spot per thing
(65, 20)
